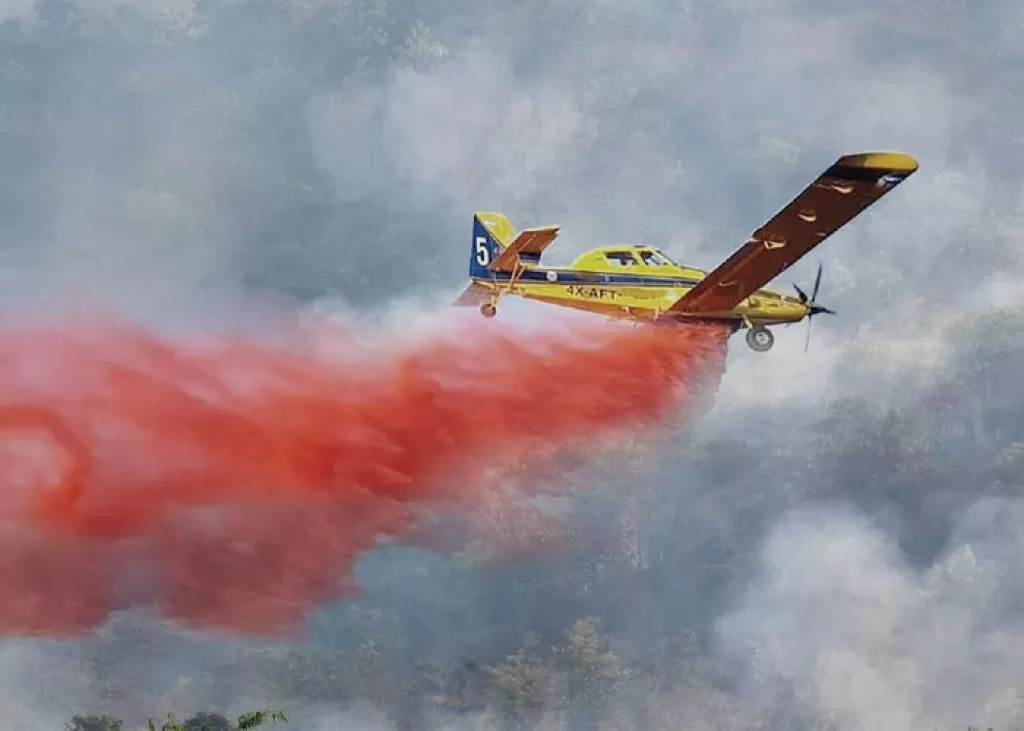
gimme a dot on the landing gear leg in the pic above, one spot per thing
(760, 339)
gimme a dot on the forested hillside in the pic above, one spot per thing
(621, 620)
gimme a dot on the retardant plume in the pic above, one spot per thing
(231, 483)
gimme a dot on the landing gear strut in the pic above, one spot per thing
(488, 309)
(760, 339)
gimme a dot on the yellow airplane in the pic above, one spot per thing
(643, 284)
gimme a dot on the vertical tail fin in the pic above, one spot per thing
(492, 233)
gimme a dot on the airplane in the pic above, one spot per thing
(642, 283)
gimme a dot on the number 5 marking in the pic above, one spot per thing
(483, 254)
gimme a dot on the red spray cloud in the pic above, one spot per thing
(231, 483)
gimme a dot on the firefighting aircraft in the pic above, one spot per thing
(642, 283)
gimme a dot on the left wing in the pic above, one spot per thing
(839, 194)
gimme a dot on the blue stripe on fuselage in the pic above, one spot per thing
(570, 276)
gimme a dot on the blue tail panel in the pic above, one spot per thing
(485, 249)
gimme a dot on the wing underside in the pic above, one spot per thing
(838, 195)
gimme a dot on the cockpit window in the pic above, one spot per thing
(655, 259)
(621, 258)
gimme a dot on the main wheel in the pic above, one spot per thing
(488, 309)
(760, 339)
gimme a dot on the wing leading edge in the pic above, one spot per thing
(838, 195)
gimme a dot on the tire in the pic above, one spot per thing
(760, 339)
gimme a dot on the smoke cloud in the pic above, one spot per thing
(839, 626)
(839, 511)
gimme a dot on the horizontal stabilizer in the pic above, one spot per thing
(473, 295)
(527, 247)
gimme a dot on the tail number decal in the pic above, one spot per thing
(483, 254)
(593, 293)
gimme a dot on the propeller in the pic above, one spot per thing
(816, 309)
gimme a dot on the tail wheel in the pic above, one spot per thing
(760, 339)
(488, 309)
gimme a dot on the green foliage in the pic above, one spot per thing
(255, 719)
(94, 723)
(594, 671)
(209, 722)
(522, 686)
(198, 722)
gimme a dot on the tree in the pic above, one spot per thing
(217, 722)
(94, 723)
(199, 722)
(521, 687)
(595, 673)
(209, 722)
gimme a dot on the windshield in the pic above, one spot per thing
(656, 259)
(620, 258)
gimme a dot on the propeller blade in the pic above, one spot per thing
(814, 309)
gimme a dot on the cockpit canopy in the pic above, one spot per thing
(635, 258)
(649, 260)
